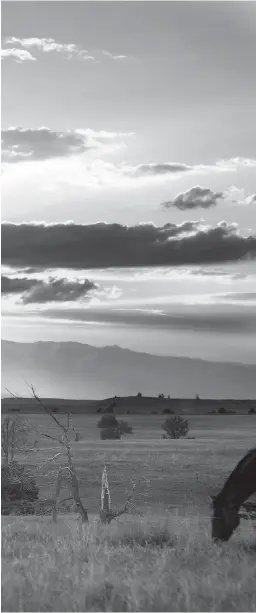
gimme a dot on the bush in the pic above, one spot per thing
(222, 411)
(107, 421)
(175, 427)
(124, 427)
(110, 433)
(167, 411)
(18, 490)
(252, 411)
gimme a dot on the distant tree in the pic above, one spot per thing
(197, 397)
(124, 427)
(107, 421)
(175, 427)
(139, 395)
(110, 433)
(161, 396)
(222, 411)
(252, 411)
(169, 397)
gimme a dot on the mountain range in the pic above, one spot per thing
(79, 371)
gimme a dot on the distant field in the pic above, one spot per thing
(131, 404)
(179, 473)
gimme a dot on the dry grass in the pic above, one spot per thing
(137, 564)
(156, 562)
(180, 473)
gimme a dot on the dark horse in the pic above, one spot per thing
(238, 488)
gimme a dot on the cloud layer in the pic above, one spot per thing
(52, 290)
(35, 144)
(217, 319)
(103, 245)
(49, 45)
(67, 50)
(20, 55)
(193, 198)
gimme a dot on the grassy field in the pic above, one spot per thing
(160, 560)
(179, 472)
(150, 563)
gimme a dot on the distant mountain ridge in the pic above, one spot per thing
(76, 370)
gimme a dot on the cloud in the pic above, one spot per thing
(52, 290)
(49, 45)
(194, 198)
(35, 144)
(112, 56)
(240, 296)
(226, 320)
(21, 144)
(20, 55)
(250, 199)
(105, 245)
(159, 169)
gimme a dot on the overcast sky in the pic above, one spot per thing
(129, 165)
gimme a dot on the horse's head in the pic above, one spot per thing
(225, 520)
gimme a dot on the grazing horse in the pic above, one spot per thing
(240, 485)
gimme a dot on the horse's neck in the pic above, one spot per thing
(242, 482)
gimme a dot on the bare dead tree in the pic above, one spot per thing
(65, 443)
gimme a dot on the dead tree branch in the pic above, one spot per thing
(64, 441)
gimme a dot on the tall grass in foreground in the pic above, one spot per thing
(135, 564)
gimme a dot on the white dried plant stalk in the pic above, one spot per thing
(105, 493)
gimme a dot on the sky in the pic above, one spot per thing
(128, 175)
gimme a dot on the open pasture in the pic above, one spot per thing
(170, 473)
(163, 559)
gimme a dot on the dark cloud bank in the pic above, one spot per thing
(101, 245)
(52, 290)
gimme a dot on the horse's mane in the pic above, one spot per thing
(239, 472)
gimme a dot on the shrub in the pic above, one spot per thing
(222, 411)
(107, 421)
(252, 411)
(167, 411)
(18, 490)
(124, 427)
(175, 427)
(110, 433)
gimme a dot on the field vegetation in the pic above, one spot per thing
(160, 556)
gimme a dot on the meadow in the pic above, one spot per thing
(158, 557)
